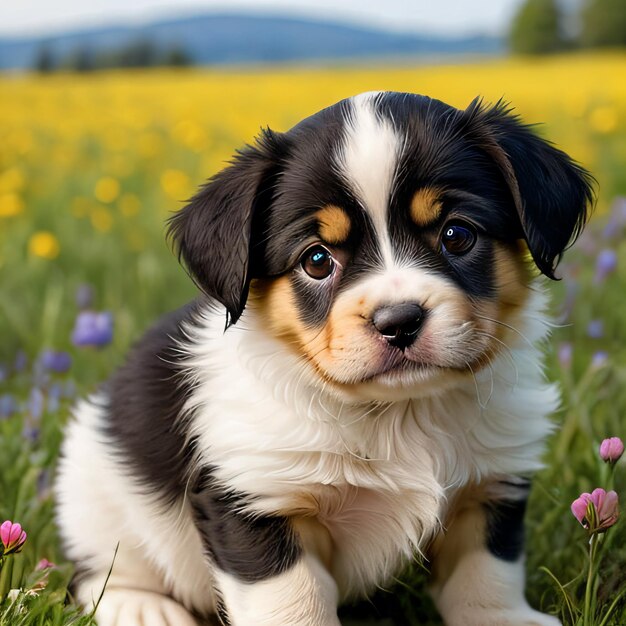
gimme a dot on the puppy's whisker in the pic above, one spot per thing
(509, 326)
(507, 351)
(482, 405)
(375, 406)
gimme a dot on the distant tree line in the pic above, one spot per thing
(83, 58)
(542, 26)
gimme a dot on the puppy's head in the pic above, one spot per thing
(386, 239)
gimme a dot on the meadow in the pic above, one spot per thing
(92, 165)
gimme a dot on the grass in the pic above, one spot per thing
(96, 163)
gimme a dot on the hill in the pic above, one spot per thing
(218, 39)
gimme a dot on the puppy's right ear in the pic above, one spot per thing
(214, 234)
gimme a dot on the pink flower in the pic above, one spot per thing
(44, 564)
(12, 537)
(596, 511)
(611, 449)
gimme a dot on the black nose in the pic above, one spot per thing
(399, 324)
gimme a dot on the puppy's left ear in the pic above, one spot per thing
(218, 232)
(553, 195)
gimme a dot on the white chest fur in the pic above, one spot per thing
(378, 476)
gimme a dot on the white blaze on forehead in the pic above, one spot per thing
(368, 161)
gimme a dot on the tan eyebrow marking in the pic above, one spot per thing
(334, 224)
(426, 205)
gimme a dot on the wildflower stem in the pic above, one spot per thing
(609, 479)
(590, 580)
(6, 574)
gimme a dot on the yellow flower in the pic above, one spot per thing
(22, 140)
(190, 134)
(44, 244)
(11, 180)
(101, 219)
(10, 205)
(603, 119)
(129, 204)
(107, 189)
(176, 184)
(149, 144)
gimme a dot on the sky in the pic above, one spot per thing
(446, 17)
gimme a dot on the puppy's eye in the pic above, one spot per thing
(318, 262)
(458, 238)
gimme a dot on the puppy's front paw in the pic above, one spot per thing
(120, 607)
(475, 616)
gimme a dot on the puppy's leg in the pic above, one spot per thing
(131, 607)
(135, 594)
(98, 507)
(269, 570)
(478, 565)
(303, 595)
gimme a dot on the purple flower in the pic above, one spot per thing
(596, 511)
(612, 229)
(566, 351)
(59, 362)
(595, 329)
(84, 296)
(69, 389)
(21, 361)
(93, 329)
(599, 359)
(618, 210)
(615, 225)
(41, 375)
(55, 392)
(611, 450)
(606, 263)
(8, 406)
(36, 403)
(12, 537)
(30, 433)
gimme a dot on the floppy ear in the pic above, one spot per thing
(553, 195)
(214, 233)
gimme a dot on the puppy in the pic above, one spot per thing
(359, 384)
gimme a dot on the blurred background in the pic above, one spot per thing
(113, 112)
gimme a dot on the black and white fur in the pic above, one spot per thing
(243, 473)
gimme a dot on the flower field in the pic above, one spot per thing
(91, 166)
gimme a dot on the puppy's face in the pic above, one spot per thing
(385, 239)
